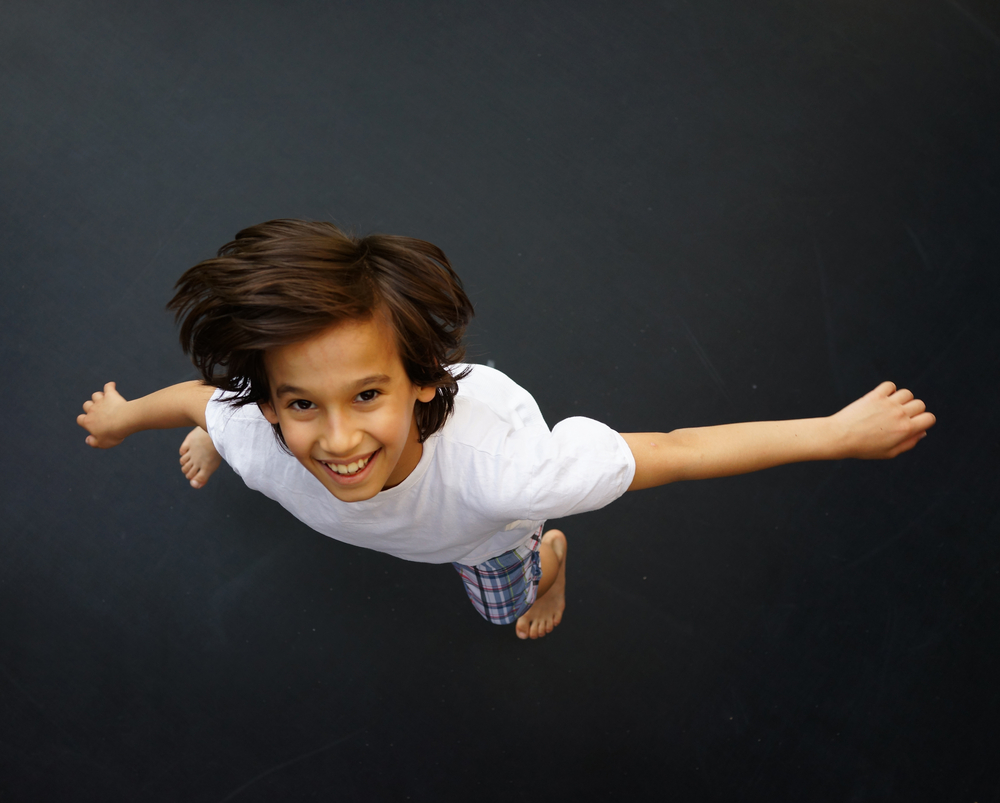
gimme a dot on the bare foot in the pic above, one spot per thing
(198, 457)
(548, 609)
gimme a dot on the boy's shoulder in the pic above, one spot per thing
(241, 434)
(484, 379)
(486, 392)
(498, 441)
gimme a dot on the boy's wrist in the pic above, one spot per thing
(835, 439)
(127, 419)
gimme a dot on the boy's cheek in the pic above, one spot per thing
(295, 441)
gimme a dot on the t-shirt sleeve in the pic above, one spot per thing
(248, 444)
(584, 465)
(217, 416)
(233, 430)
(580, 465)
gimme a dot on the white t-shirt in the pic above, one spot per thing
(485, 481)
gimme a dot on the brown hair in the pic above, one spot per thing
(283, 281)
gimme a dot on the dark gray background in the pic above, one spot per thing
(667, 214)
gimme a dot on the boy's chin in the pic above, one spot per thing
(357, 493)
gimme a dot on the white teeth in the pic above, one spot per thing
(352, 468)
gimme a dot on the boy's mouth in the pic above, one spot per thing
(349, 471)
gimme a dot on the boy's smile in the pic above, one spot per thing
(345, 407)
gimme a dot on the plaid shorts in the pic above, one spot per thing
(503, 588)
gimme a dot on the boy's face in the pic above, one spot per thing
(345, 406)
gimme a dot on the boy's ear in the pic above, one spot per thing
(426, 394)
(268, 411)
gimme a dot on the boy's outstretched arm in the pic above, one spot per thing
(879, 425)
(109, 418)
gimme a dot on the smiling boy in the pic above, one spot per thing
(333, 383)
(345, 408)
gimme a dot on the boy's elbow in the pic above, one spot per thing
(656, 461)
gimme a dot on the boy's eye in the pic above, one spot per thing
(367, 395)
(301, 404)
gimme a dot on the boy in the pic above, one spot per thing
(333, 383)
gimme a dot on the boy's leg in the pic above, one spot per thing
(548, 609)
(199, 459)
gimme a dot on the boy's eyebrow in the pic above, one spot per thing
(377, 379)
(288, 390)
(292, 390)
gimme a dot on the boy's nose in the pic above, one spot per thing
(340, 438)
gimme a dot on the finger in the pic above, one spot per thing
(902, 396)
(923, 421)
(108, 387)
(914, 407)
(87, 405)
(91, 440)
(885, 389)
(97, 395)
(80, 419)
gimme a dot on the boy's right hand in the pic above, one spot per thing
(102, 418)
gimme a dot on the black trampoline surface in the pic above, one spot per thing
(667, 214)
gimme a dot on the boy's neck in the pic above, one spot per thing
(408, 460)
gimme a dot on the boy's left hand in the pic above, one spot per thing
(882, 424)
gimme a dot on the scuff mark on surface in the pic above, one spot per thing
(920, 250)
(976, 23)
(707, 363)
(283, 765)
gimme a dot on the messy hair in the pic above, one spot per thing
(283, 281)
